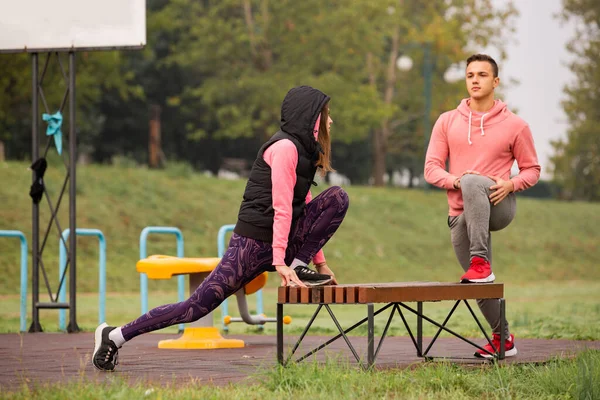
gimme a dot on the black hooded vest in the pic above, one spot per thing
(299, 112)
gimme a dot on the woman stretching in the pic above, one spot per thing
(279, 227)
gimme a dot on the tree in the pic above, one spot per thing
(219, 70)
(251, 52)
(576, 163)
(447, 28)
(15, 104)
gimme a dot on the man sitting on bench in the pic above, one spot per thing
(482, 139)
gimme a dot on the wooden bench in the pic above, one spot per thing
(394, 296)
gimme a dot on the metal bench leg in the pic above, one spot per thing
(412, 337)
(437, 334)
(341, 334)
(280, 333)
(420, 329)
(371, 335)
(502, 328)
(450, 331)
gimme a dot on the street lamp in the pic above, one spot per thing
(452, 75)
(404, 63)
(456, 72)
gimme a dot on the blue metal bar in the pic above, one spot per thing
(220, 252)
(101, 272)
(259, 305)
(224, 305)
(21, 235)
(143, 254)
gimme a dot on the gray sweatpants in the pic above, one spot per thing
(470, 232)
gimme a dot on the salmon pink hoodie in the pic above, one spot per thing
(488, 143)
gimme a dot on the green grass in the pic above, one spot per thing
(548, 259)
(389, 234)
(577, 378)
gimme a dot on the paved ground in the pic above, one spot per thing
(52, 357)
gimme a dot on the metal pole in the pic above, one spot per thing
(143, 254)
(280, 333)
(503, 337)
(62, 265)
(23, 309)
(427, 77)
(420, 329)
(220, 251)
(35, 213)
(370, 335)
(102, 279)
(72, 205)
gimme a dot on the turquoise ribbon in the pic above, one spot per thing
(54, 123)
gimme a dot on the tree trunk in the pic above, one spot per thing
(267, 53)
(155, 154)
(259, 45)
(2, 156)
(381, 136)
(250, 26)
(378, 157)
(378, 136)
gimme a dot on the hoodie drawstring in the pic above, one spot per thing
(469, 136)
(480, 126)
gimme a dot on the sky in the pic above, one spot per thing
(537, 58)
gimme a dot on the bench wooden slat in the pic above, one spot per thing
(328, 294)
(340, 295)
(294, 295)
(351, 294)
(317, 295)
(304, 295)
(282, 294)
(390, 292)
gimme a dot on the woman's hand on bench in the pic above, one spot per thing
(323, 268)
(288, 276)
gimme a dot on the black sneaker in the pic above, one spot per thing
(311, 278)
(106, 352)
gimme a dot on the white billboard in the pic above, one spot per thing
(43, 25)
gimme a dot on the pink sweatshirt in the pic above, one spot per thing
(488, 143)
(282, 157)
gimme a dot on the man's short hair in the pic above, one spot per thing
(484, 57)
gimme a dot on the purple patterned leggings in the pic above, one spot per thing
(247, 258)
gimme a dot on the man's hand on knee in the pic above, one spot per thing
(500, 190)
(457, 181)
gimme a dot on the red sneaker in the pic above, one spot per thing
(479, 272)
(509, 347)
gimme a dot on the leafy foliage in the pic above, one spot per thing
(576, 162)
(219, 70)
